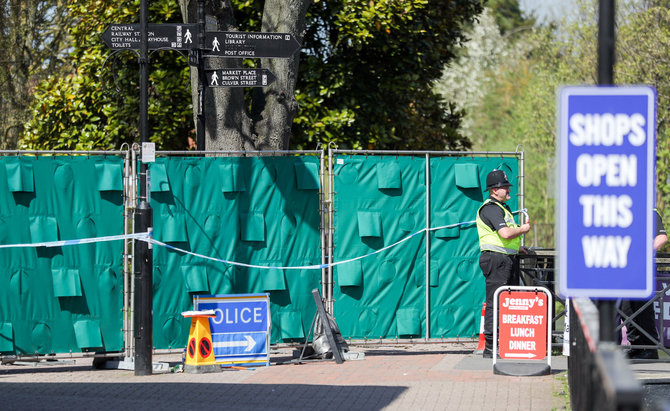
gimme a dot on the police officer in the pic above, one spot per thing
(644, 317)
(499, 242)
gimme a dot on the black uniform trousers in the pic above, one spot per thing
(498, 269)
(645, 320)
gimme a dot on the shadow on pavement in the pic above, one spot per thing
(194, 396)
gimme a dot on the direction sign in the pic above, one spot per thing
(522, 330)
(128, 36)
(239, 78)
(240, 329)
(522, 324)
(607, 179)
(240, 44)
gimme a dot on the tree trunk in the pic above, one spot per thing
(266, 125)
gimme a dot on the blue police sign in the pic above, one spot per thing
(241, 328)
(606, 177)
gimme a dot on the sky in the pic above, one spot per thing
(547, 10)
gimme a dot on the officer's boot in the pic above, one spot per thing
(488, 348)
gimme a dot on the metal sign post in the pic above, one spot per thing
(143, 222)
(244, 44)
(128, 36)
(239, 77)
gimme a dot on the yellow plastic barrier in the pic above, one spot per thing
(200, 350)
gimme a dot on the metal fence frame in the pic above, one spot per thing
(599, 375)
(332, 153)
(129, 199)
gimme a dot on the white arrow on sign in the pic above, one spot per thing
(249, 343)
(526, 355)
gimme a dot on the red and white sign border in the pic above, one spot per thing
(495, 315)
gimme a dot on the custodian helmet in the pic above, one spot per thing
(497, 178)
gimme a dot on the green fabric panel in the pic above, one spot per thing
(20, 174)
(457, 298)
(252, 227)
(195, 278)
(467, 175)
(388, 175)
(396, 277)
(110, 176)
(6, 337)
(408, 322)
(435, 268)
(274, 280)
(66, 282)
(159, 178)
(284, 231)
(65, 204)
(307, 176)
(173, 228)
(443, 218)
(369, 224)
(87, 333)
(43, 228)
(232, 177)
(392, 278)
(291, 325)
(349, 274)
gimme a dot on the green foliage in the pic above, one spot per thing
(366, 73)
(508, 15)
(642, 58)
(519, 106)
(365, 78)
(96, 105)
(34, 42)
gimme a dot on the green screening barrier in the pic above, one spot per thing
(256, 210)
(381, 200)
(457, 288)
(61, 299)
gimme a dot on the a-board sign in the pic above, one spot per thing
(244, 44)
(240, 328)
(522, 330)
(607, 156)
(168, 35)
(239, 77)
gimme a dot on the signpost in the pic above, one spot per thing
(607, 179)
(241, 44)
(239, 77)
(174, 36)
(240, 328)
(522, 330)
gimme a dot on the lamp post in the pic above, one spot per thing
(143, 298)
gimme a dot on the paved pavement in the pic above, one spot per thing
(397, 377)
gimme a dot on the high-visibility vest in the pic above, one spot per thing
(490, 240)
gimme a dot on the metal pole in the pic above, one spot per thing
(323, 210)
(606, 41)
(202, 80)
(427, 246)
(331, 228)
(127, 207)
(143, 278)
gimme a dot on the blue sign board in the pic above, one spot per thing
(607, 148)
(241, 328)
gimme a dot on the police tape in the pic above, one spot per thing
(147, 236)
(136, 236)
(313, 266)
